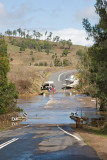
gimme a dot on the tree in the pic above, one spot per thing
(56, 39)
(14, 32)
(8, 92)
(19, 31)
(50, 36)
(45, 34)
(34, 33)
(8, 32)
(69, 43)
(63, 42)
(97, 54)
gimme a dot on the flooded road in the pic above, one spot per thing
(56, 108)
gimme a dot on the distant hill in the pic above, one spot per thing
(32, 61)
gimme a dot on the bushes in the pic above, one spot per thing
(57, 62)
(65, 62)
(65, 52)
(79, 53)
(41, 64)
(8, 92)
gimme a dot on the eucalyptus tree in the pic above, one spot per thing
(49, 36)
(14, 33)
(97, 54)
(45, 35)
(28, 31)
(56, 39)
(69, 43)
(38, 35)
(19, 30)
(34, 33)
(8, 32)
(24, 34)
(63, 42)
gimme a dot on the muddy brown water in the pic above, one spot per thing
(56, 108)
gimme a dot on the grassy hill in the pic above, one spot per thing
(32, 61)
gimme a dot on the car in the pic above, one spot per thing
(49, 85)
(71, 82)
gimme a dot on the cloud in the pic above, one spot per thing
(87, 13)
(3, 13)
(77, 36)
(17, 17)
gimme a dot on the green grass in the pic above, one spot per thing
(101, 132)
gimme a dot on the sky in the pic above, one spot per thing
(61, 17)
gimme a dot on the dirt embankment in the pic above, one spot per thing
(5, 120)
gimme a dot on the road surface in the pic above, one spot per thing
(59, 78)
(45, 141)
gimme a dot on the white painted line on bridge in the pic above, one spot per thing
(8, 142)
(77, 138)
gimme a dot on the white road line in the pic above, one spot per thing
(60, 76)
(69, 133)
(8, 142)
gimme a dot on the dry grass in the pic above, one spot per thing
(28, 77)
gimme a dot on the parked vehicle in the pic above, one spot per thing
(49, 85)
(71, 82)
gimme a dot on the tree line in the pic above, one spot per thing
(93, 77)
(36, 35)
(8, 92)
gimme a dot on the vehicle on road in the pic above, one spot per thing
(71, 82)
(49, 85)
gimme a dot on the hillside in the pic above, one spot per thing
(32, 61)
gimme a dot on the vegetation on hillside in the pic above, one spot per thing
(33, 59)
(93, 76)
(8, 93)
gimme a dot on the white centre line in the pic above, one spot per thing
(60, 76)
(8, 142)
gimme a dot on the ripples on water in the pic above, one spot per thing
(56, 108)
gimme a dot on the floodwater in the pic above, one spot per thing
(56, 108)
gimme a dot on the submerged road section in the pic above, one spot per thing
(46, 133)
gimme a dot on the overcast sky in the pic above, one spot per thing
(62, 17)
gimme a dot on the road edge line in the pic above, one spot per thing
(69, 133)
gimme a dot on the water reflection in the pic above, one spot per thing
(56, 108)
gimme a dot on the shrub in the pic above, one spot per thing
(36, 64)
(65, 52)
(22, 48)
(45, 64)
(57, 62)
(41, 64)
(33, 59)
(11, 59)
(65, 62)
(79, 52)
(31, 52)
(18, 109)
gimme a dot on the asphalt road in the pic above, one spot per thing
(59, 78)
(44, 142)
